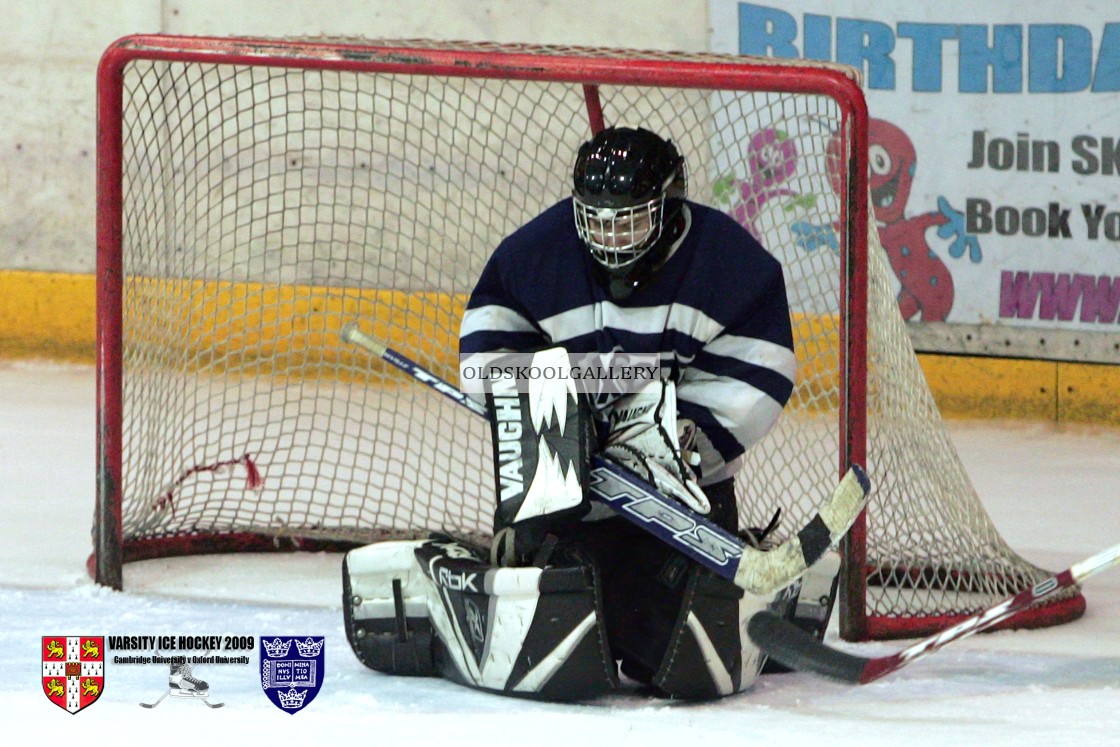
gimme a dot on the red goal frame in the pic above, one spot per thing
(587, 68)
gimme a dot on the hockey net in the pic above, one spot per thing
(256, 195)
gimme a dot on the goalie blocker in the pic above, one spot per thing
(542, 441)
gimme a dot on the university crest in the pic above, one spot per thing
(73, 670)
(292, 669)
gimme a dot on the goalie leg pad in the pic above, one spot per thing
(674, 625)
(811, 608)
(529, 632)
(818, 593)
(710, 654)
(385, 609)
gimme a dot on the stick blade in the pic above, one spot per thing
(800, 651)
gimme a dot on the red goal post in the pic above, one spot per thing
(255, 195)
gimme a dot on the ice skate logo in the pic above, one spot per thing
(292, 669)
(182, 684)
(73, 670)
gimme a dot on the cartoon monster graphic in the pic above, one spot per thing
(927, 290)
(927, 286)
(772, 161)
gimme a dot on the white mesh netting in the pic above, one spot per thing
(265, 206)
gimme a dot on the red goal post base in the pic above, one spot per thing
(223, 544)
(1056, 610)
(1045, 615)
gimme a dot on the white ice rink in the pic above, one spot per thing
(1053, 491)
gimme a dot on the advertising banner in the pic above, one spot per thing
(994, 151)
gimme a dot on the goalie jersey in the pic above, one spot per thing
(716, 313)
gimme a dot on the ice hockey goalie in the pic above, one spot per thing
(567, 602)
(564, 599)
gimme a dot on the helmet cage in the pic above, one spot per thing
(618, 237)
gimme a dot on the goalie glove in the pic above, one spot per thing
(644, 438)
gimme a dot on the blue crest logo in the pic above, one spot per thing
(292, 669)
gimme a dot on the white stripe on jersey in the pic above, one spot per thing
(588, 319)
(493, 317)
(756, 352)
(748, 413)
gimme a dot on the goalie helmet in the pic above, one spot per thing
(629, 187)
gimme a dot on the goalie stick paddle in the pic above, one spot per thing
(753, 570)
(795, 648)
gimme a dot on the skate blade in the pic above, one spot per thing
(191, 694)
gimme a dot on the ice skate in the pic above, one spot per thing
(184, 684)
(181, 683)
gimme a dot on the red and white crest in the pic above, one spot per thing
(73, 670)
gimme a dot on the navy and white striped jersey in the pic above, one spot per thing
(716, 312)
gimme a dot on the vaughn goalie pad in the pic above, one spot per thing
(542, 439)
(531, 632)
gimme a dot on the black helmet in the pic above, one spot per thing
(629, 187)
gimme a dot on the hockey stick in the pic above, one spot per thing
(751, 569)
(796, 649)
(203, 699)
(158, 701)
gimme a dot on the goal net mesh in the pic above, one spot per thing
(267, 203)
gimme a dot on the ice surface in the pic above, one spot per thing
(1053, 491)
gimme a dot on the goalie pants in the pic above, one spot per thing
(674, 625)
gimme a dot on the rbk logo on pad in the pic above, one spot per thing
(73, 670)
(292, 669)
